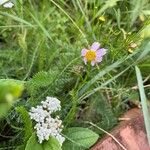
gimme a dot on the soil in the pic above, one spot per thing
(130, 133)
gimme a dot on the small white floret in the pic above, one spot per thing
(8, 5)
(47, 126)
(3, 1)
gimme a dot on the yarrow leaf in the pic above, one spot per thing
(27, 122)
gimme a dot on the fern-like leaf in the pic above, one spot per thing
(27, 122)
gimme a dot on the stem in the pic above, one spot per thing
(71, 115)
(107, 134)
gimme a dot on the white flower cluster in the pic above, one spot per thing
(6, 3)
(47, 126)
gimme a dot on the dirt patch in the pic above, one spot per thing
(131, 134)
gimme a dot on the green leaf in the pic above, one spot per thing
(41, 79)
(21, 147)
(145, 33)
(10, 90)
(33, 143)
(10, 87)
(79, 138)
(51, 144)
(27, 122)
(143, 102)
(4, 107)
(101, 110)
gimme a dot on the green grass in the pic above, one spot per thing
(143, 102)
(41, 42)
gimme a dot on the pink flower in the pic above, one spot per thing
(94, 54)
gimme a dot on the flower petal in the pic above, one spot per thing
(95, 46)
(98, 59)
(93, 62)
(83, 52)
(85, 60)
(104, 51)
(101, 52)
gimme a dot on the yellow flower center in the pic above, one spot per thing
(90, 55)
(102, 18)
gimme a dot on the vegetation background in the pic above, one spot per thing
(41, 42)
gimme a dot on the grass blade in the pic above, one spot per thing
(42, 27)
(143, 102)
(136, 10)
(16, 18)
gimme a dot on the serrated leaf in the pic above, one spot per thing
(101, 110)
(41, 79)
(27, 122)
(51, 144)
(79, 138)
